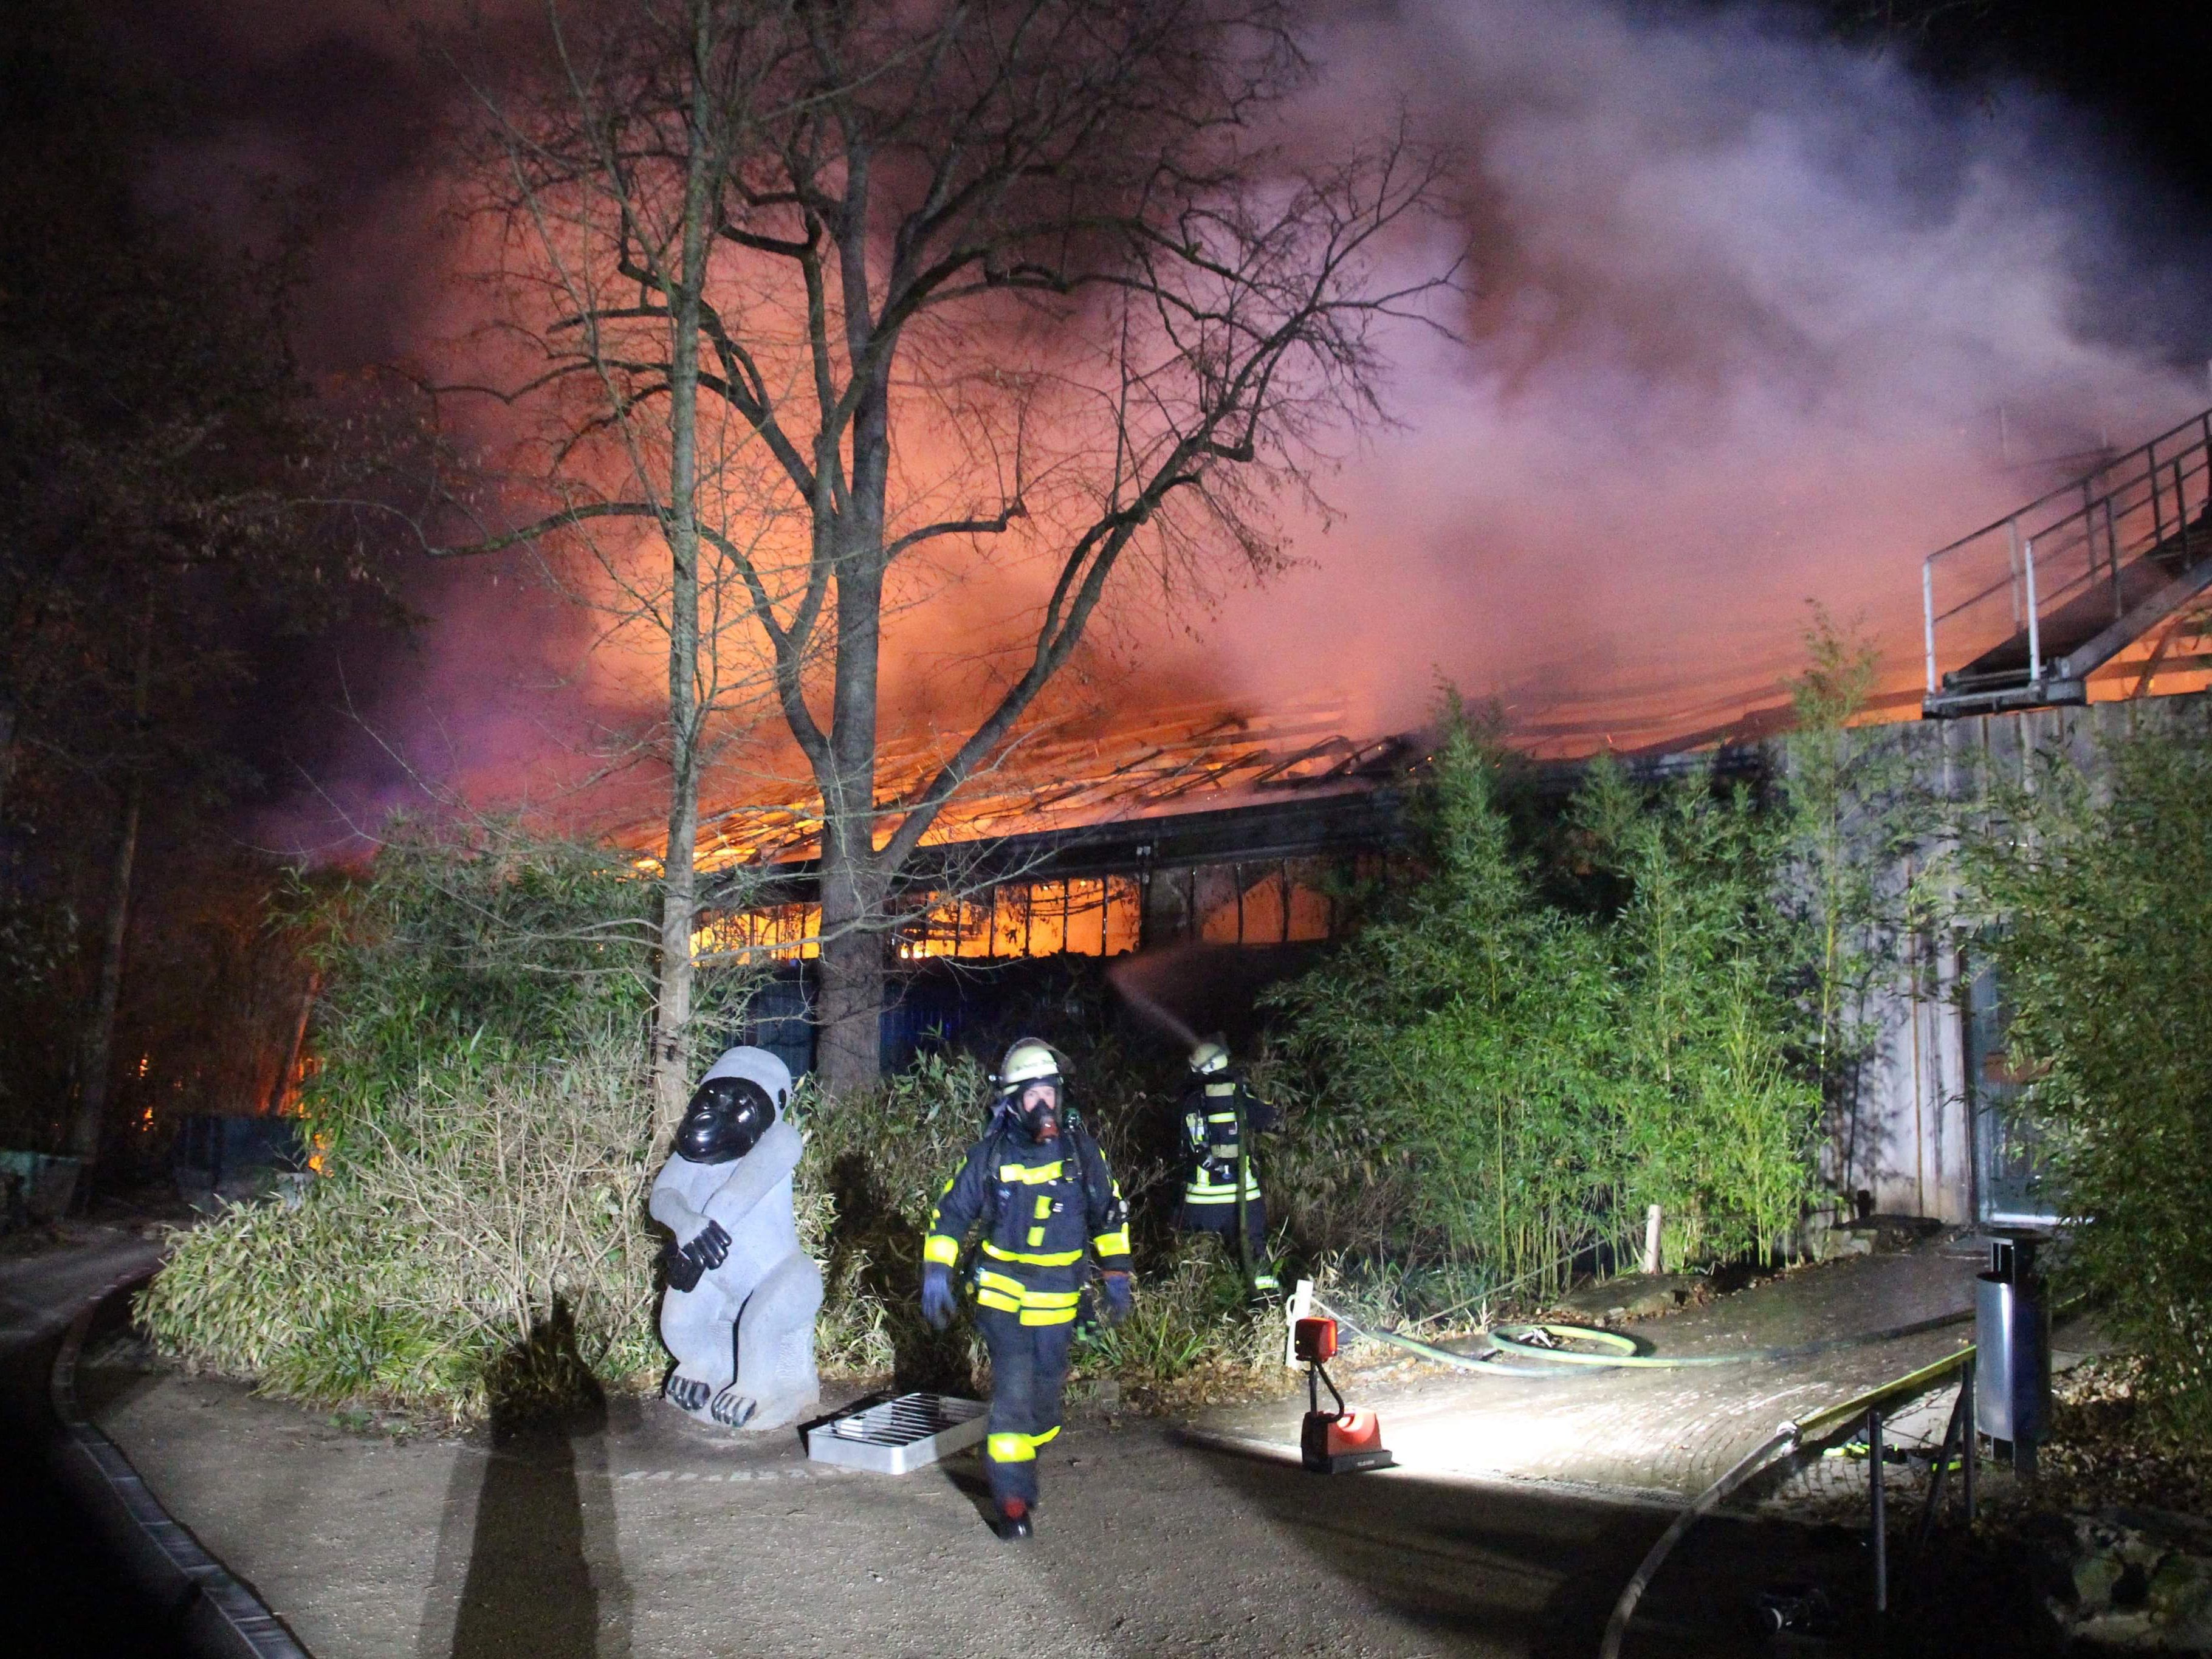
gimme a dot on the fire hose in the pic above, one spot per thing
(1526, 1342)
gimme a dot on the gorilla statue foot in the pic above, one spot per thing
(686, 1393)
(733, 1409)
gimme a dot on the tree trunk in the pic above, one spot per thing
(679, 909)
(849, 1056)
(99, 1035)
(679, 888)
(854, 888)
(281, 1090)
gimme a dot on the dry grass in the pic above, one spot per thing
(459, 1216)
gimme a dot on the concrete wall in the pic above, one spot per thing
(1909, 1135)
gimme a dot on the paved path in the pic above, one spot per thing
(1506, 1533)
(62, 1582)
(1664, 1435)
(647, 1536)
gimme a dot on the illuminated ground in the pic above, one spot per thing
(1669, 1434)
(1510, 1530)
(649, 1538)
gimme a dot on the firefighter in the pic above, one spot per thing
(1039, 1186)
(1221, 1193)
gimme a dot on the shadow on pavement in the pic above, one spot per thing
(529, 1528)
(72, 1586)
(1496, 1571)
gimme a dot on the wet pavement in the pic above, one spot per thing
(1664, 1435)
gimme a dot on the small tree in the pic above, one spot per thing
(827, 302)
(1524, 1074)
(1715, 1124)
(1456, 1041)
(1854, 810)
(165, 473)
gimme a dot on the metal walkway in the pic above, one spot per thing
(2041, 598)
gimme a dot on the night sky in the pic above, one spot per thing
(1752, 283)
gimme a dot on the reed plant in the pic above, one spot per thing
(1495, 1076)
(2095, 906)
(483, 1130)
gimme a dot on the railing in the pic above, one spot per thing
(2055, 554)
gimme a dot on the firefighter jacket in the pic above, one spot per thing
(1211, 1107)
(1043, 1206)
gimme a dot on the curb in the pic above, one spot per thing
(218, 1612)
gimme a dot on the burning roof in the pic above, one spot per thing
(1080, 772)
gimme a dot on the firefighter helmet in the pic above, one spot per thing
(1209, 1057)
(1032, 1083)
(1029, 1062)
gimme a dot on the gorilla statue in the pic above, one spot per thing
(738, 1313)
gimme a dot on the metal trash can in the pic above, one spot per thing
(2012, 1334)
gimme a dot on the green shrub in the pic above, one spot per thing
(472, 1204)
(1501, 1069)
(1713, 1124)
(1448, 1052)
(2103, 943)
(483, 1126)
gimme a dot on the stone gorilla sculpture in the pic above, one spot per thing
(742, 1329)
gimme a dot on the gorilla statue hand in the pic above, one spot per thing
(710, 1247)
(937, 1304)
(1118, 1295)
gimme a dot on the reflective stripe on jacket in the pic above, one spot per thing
(1209, 1125)
(1042, 1208)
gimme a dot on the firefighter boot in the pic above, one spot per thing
(1013, 1521)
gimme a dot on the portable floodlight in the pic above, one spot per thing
(1341, 1441)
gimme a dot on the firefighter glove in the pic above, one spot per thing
(1118, 1294)
(937, 1295)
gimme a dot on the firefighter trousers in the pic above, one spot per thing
(1219, 1218)
(1028, 1371)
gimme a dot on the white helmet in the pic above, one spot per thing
(1209, 1057)
(1030, 1061)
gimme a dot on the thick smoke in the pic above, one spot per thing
(1748, 304)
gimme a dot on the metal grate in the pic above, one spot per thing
(891, 1436)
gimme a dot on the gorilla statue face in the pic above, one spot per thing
(726, 1119)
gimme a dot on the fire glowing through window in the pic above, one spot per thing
(1267, 901)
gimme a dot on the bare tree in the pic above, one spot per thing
(1030, 288)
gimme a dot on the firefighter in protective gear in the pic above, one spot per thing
(1221, 1191)
(1038, 1187)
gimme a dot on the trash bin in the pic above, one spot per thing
(2012, 1334)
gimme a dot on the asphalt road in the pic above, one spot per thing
(73, 1583)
